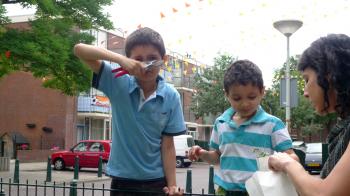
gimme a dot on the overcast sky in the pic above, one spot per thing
(242, 28)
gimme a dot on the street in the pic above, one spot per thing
(88, 178)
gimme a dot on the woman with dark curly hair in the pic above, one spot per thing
(325, 67)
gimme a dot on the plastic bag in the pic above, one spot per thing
(269, 183)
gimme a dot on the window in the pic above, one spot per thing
(96, 147)
(81, 147)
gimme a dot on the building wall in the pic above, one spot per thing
(24, 100)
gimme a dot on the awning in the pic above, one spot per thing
(18, 138)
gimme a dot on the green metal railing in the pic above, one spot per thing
(75, 188)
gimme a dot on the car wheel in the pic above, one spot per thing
(187, 164)
(179, 162)
(59, 164)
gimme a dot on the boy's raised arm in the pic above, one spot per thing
(93, 55)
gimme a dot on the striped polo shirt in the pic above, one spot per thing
(240, 145)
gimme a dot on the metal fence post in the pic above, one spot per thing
(48, 170)
(2, 192)
(211, 189)
(16, 173)
(324, 152)
(189, 181)
(99, 172)
(76, 168)
(73, 188)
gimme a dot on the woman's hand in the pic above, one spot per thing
(279, 161)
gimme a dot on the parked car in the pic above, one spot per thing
(183, 143)
(88, 152)
(313, 157)
(300, 145)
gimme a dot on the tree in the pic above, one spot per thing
(45, 49)
(209, 94)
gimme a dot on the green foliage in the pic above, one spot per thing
(209, 94)
(45, 49)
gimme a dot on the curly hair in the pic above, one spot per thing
(144, 36)
(329, 57)
(243, 72)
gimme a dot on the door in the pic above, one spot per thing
(79, 150)
(93, 154)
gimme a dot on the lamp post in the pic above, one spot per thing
(287, 28)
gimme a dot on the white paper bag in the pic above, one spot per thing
(269, 183)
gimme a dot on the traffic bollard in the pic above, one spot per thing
(76, 168)
(48, 170)
(324, 153)
(189, 181)
(99, 172)
(211, 189)
(16, 173)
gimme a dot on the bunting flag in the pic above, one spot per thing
(139, 26)
(162, 15)
(194, 68)
(174, 10)
(187, 4)
(177, 65)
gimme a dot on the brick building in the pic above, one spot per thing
(45, 118)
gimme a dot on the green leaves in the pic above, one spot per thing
(46, 48)
(209, 96)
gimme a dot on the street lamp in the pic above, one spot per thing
(287, 28)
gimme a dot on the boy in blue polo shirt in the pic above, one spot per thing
(242, 131)
(146, 114)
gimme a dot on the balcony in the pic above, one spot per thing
(93, 104)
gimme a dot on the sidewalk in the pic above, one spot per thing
(37, 171)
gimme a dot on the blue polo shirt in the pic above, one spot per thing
(137, 131)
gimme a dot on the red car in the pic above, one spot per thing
(88, 152)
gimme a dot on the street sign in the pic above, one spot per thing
(293, 92)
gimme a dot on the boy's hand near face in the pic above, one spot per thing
(134, 67)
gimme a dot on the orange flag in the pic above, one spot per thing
(139, 26)
(187, 4)
(162, 15)
(174, 10)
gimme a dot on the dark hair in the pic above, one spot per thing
(243, 72)
(329, 57)
(144, 36)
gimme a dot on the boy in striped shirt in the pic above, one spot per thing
(243, 130)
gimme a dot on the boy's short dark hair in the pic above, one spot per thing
(243, 72)
(144, 36)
